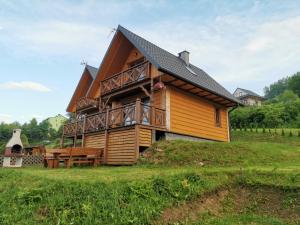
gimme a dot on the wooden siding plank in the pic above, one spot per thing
(198, 120)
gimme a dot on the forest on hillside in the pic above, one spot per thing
(281, 108)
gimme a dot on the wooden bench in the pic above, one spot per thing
(72, 156)
(51, 157)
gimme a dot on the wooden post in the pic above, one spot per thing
(138, 111)
(83, 132)
(151, 102)
(106, 136)
(137, 126)
(75, 135)
(100, 99)
(137, 141)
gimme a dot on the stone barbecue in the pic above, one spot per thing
(13, 149)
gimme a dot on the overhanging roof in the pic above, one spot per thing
(169, 63)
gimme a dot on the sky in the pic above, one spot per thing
(240, 43)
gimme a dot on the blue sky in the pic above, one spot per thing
(239, 43)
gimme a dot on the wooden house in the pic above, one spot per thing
(140, 94)
(248, 97)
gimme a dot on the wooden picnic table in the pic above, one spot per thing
(71, 156)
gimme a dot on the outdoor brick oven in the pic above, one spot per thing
(13, 149)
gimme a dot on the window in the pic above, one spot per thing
(217, 117)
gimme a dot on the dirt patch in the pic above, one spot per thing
(237, 200)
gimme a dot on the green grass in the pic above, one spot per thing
(169, 176)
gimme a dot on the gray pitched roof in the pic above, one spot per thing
(249, 93)
(169, 63)
(93, 71)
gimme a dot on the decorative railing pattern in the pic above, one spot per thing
(74, 127)
(126, 115)
(134, 74)
(85, 102)
(95, 122)
(122, 116)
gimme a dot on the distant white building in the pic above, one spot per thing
(248, 97)
(57, 121)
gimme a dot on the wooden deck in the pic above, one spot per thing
(120, 132)
(123, 79)
(125, 116)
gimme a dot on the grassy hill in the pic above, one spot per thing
(253, 180)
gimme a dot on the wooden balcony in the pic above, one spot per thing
(86, 103)
(127, 115)
(126, 78)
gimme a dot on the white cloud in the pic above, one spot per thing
(237, 48)
(6, 118)
(234, 50)
(24, 85)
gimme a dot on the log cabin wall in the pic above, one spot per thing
(121, 148)
(145, 137)
(95, 141)
(191, 115)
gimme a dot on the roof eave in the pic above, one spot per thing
(186, 80)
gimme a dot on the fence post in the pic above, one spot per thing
(138, 111)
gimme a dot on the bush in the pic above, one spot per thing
(285, 111)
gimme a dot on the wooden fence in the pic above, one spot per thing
(278, 131)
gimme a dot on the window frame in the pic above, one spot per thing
(217, 116)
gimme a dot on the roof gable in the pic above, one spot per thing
(167, 62)
(162, 60)
(85, 82)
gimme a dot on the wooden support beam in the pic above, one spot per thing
(145, 90)
(106, 136)
(169, 82)
(137, 142)
(205, 95)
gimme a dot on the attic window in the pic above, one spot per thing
(190, 70)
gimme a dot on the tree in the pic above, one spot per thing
(24, 140)
(294, 83)
(287, 96)
(276, 88)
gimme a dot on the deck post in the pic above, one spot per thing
(138, 111)
(75, 135)
(106, 136)
(83, 132)
(137, 126)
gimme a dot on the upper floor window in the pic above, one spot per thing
(218, 117)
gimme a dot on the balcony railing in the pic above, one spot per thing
(133, 75)
(127, 115)
(84, 103)
(76, 127)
